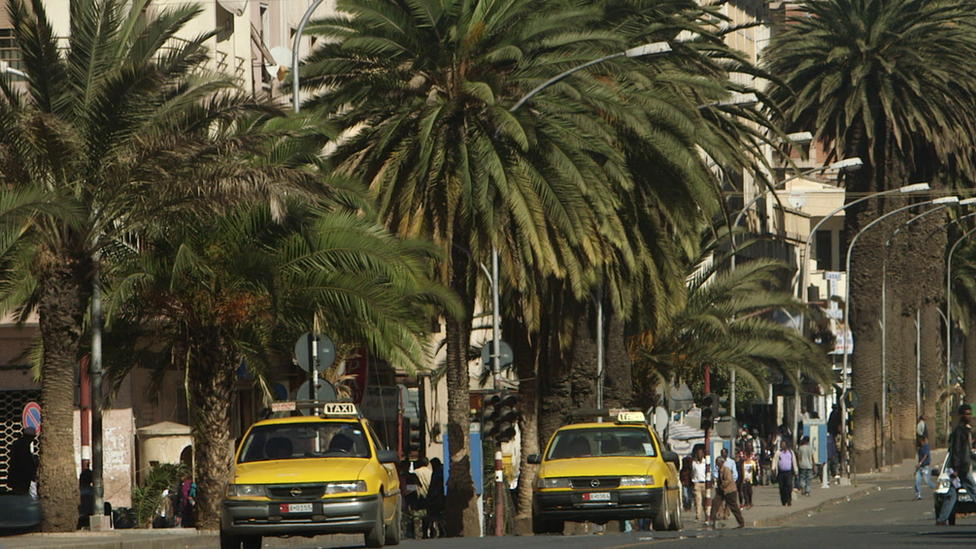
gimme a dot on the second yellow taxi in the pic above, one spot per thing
(601, 471)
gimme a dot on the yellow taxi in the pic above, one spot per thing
(598, 471)
(311, 475)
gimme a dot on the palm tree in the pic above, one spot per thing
(116, 123)
(423, 89)
(888, 81)
(210, 294)
(726, 325)
(637, 273)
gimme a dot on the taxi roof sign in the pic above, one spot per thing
(631, 417)
(339, 409)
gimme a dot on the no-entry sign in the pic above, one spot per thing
(32, 416)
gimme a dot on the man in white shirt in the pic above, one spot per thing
(698, 477)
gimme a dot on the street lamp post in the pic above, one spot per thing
(884, 323)
(800, 278)
(949, 304)
(296, 102)
(946, 200)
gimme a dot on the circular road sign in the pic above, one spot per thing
(325, 393)
(505, 357)
(850, 399)
(325, 347)
(32, 416)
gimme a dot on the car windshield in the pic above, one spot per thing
(612, 440)
(304, 440)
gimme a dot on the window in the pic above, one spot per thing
(824, 250)
(611, 441)
(305, 440)
(8, 49)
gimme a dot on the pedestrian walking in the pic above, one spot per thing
(699, 471)
(688, 497)
(960, 463)
(921, 430)
(725, 492)
(805, 459)
(22, 464)
(923, 469)
(723, 512)
(187, 502)
(784, 463)
(746, 463)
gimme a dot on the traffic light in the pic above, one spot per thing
(721, 408)
(499, 415)
(489, 415)
(507, 416)
(709, 411)
(413, 438)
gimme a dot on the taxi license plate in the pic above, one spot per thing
(596, 496)
(296, 507)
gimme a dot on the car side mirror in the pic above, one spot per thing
(534, 459)
(387, 456)
(672, 457)
(935, 471)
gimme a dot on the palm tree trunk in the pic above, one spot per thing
(63, 301)
(527, 358)
(618, 387)
(461, 512)
(212, 374)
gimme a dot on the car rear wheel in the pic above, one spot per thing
(377, 534)
(663, 518)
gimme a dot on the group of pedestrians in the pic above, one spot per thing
(732, 483)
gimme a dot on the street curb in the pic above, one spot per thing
(783, 520)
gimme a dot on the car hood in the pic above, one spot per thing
(597, 467)
(298, 471)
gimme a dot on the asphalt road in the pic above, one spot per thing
(887, 518)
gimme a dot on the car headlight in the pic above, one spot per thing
(546, 483)
(944, 484)
(345, 487)
(245, 490)
(637, 481)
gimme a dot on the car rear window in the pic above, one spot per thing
(610, 441)
(305, 440)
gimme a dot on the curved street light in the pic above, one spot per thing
(884, 322)
(948, 314)
(847, 298)
(802, 290)
(846, 165)
(799, 279)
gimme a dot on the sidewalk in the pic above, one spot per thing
(766, 511)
